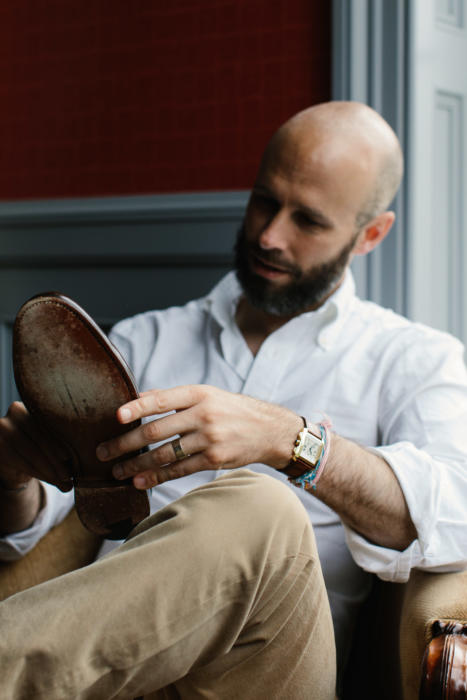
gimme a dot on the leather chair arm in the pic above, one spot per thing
(444, 669)
(428, 597)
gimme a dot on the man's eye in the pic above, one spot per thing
(304, 220)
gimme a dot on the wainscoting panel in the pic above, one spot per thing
(450, 13)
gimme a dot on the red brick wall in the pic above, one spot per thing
(124, 97)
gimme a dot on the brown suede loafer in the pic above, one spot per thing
(72, 380)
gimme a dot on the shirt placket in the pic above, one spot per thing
(270, 366)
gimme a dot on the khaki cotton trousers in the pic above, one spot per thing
(219, 595)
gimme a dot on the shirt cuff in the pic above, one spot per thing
(387, 564)
(56, 505)
(426, 483)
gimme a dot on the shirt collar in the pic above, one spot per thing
(222, 303)
(223, 299)
(335, 311)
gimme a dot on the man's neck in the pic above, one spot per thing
(255, 325)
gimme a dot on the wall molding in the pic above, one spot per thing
(183, 205)
(141, 229)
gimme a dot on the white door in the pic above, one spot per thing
(436, 227)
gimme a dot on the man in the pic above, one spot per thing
(244, 365)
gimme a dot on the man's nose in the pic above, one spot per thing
(275, 233)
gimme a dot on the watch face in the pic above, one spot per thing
(311, 449)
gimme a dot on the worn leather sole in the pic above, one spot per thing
(72, 380)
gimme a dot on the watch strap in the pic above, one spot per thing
(311, 477)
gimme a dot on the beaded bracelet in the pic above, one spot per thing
(312, 476)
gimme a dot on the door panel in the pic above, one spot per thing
(437, 227)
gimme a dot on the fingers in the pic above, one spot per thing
(25, 453)
(191, 443)
(147, 434)
(159, 401)
(26, 424)
(218, 429)
(176, 470)
(18, 448)
(185, 400)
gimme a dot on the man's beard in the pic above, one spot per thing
(306, 291)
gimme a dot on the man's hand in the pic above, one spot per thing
(26, 453)
(217, 429)
(26, 456)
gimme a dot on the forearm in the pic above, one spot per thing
(19, 508)
(362, 488)
(219, 429)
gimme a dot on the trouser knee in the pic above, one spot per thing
(240, 517)
(257, 511)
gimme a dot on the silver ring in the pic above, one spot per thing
(178, 449)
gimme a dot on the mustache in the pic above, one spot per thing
(274, 257)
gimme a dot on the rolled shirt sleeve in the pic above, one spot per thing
(435, 493)
(424, 426)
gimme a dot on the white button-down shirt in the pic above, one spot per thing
(391, 385)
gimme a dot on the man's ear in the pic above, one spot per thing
(374, 232)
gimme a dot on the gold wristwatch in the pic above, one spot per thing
(307, 451)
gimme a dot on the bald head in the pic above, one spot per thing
(351, 138)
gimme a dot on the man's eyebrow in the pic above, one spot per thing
(318, 217)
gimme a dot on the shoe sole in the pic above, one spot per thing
(72, 380)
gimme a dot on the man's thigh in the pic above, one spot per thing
(219, 594)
